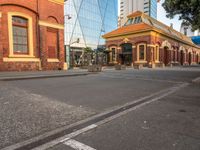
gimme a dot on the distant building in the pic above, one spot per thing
(145, 41)
(127, 7)
(87, 21)
(194, 35)
(186, 30)
(31, 35)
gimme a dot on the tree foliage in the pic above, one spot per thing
(188, 11)
(88, 50)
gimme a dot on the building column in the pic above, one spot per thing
(134, 54)
(110, 56)
(67, 56)
(117, 54)
(43, 48)
(161, 49)
(185, 58)
(152, 57)
(1, 46)
(62, 54)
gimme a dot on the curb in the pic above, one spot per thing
(42, 76)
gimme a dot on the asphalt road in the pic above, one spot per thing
(173, 123)
(29, 108)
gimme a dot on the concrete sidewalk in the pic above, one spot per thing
(9, 76)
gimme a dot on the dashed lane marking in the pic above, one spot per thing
(73, 134)
(65, 138)
(77, 145)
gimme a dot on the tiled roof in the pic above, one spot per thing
(148, 23)
(128, 30)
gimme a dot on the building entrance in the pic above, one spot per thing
(190, 58)
(166, 56)
(126, 54)
(182, 58)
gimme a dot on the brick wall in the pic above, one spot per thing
(38, 10)
(164, 56)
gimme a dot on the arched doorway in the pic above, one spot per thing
(190, 58)
(166, 56)
(197, 58)
(126, 55)
(182, 57)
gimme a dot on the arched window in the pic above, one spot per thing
(113, 54)
(141, 52)
(157, 53)
(20, 35)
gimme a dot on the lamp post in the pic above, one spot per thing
(67, 46)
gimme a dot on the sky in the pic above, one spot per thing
(161, 16)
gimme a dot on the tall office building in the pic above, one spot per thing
(85, 23)
(127, 7)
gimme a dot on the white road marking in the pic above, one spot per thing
(77, 145)
(153, 97)
(65, 138)
(75, 133)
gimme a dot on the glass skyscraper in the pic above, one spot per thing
(127, 7)
(153, 8)
(86, 21)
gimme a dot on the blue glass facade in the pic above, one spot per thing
(153, 9)
(88, 20)
(196, 40)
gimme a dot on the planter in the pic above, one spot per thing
(94, 68)
(162, 65)
(138, 66)
(152, 65)
(120, 67)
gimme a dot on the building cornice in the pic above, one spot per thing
(52, 25)
(60, 2)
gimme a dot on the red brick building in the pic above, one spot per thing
(31, 35)
(146, 41)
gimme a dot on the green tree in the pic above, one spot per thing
(188, 11)
(88, 50)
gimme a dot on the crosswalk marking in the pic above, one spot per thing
(77, 145)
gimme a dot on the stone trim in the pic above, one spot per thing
(145, 51)
(21, 59)
(30, 34)
(53, 60)
(141, 61)
(61, 2)
(151, 45)
(52, 25)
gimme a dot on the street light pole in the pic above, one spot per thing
(68, 46)
(68, 50)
